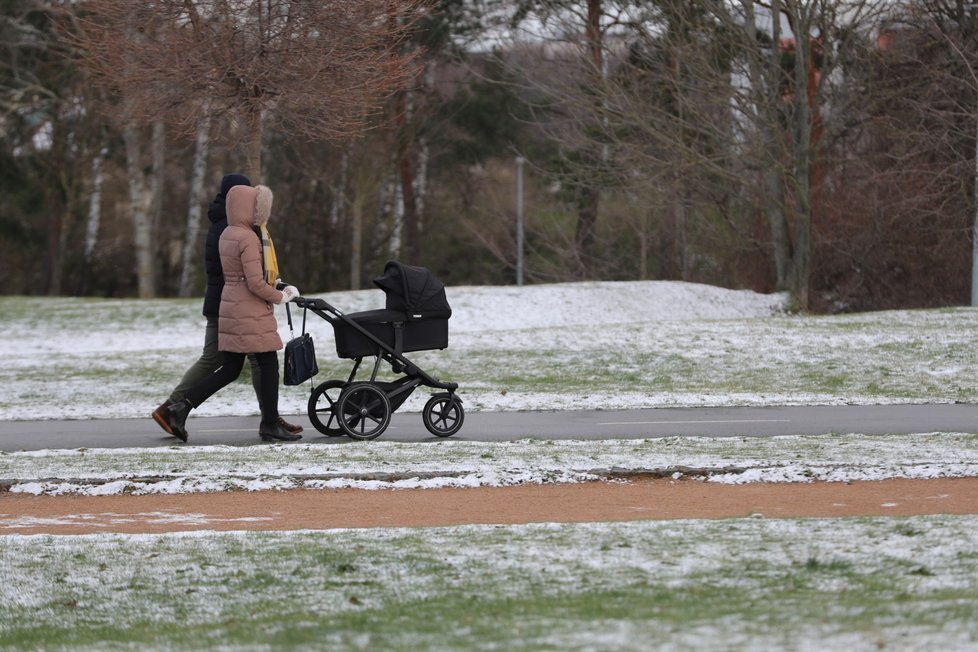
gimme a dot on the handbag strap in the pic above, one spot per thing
(288, 315)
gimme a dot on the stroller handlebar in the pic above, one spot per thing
(317, 305)
(304, 302)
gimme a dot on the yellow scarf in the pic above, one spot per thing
(268, 254)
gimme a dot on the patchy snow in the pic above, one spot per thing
(727, 584)
(102, 358)
(607, 345)
(395, 465)
(597, 345)
(601, 345)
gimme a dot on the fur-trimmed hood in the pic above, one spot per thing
(248, 206)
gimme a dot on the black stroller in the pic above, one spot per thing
(415, 319)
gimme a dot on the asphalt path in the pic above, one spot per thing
(509, 426)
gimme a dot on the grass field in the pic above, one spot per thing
(822, 584)
(736, 584)
(77, 358)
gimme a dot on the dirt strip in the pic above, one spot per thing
(594, 501)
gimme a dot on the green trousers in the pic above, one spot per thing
(209, 361)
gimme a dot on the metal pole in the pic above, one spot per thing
(519, 219)
(971, 6)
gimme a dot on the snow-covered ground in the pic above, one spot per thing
(805, 584)
(577, 345)
(449, 463)
(598, 345)
(80, 358)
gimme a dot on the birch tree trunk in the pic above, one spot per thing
(395, 247)
(338, 207)
(421, 185)
(356, 245)
(156, 179)
(408, 204)
(95, 204)
(142, 228)
(190, 261)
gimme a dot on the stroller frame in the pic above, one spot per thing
(362, 409)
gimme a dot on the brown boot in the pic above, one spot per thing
(161, 416)
(291, 427)
(275, 432)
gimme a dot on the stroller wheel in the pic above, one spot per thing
(322, 408)
(443, 415)
(364, 411)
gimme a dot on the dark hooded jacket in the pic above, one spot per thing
(217, 214)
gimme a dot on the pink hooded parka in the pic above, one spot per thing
(247, 321)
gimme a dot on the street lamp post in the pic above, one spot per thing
(519, 219)
(974, 231)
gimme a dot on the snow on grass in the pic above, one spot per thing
(393, 465)
(811, 584)
(803, 584)
(577, 345)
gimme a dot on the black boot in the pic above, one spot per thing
(178, 418)
(275, 432)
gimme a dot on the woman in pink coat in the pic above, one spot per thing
(247, 321)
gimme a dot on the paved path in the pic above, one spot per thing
(507, 426)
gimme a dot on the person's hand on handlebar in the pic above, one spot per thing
(289, 292)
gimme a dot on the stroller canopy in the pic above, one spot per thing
(415, 291)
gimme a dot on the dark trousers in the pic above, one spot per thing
(229, 371)
(210, 359)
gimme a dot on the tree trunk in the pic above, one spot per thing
(338, 207)
(803, 157)
(95, 204)
(356, 244)
(587, 213)
(190, 261)
(395, 246)
(253, 143)
(52, 268)
(765, 85)
(587, 218)
(421, 182)
(139, 207)
(410, 245)
(156, 179)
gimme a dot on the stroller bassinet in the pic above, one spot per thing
(415, 317)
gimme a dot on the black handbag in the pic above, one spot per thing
(300, 355)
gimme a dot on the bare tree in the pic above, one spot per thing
(575, 35)
(309, 69)
(794, 55)
(720, 102)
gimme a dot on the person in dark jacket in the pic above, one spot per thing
(210, 359)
